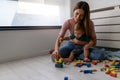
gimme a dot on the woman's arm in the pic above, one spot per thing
(66, 38)
(55, 53)
(93, 37)
(59, 39)
(58, 42)
(93, 41)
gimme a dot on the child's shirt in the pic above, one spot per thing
(82, 38)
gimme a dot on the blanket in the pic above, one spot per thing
(102, 54)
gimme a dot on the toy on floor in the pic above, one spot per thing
(111, 72)
(81, 63)
(59, 63)
(66, 78)
(87, 64)
(88, 71)
(78, 63)
(111, 68)
(94, 62)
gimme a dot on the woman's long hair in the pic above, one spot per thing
(86, 19)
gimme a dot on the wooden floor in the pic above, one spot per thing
(42, 68)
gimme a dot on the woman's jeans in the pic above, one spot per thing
(70, 48)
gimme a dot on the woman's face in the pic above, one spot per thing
(78, 15)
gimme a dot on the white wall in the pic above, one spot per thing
(96, 4)
(72, 4)
(26, 43)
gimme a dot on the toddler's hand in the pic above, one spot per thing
(75, 41)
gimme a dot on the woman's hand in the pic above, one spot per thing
(55, 54)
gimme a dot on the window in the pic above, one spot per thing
(33, 12)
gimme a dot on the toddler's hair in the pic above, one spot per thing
(78, 27)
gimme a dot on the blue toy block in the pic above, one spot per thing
(87, 64)
(66, 78)
(87, 71)
(59, 65)
(79, 65)
(118, 66)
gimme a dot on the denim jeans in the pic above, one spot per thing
(70, 48)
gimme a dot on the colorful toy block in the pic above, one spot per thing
(59, 63)
(88, 71)
(66, 78)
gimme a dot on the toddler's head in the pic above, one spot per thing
(78, 30)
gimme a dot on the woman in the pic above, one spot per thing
(81, 14)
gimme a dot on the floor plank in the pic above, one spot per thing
(42, 68)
